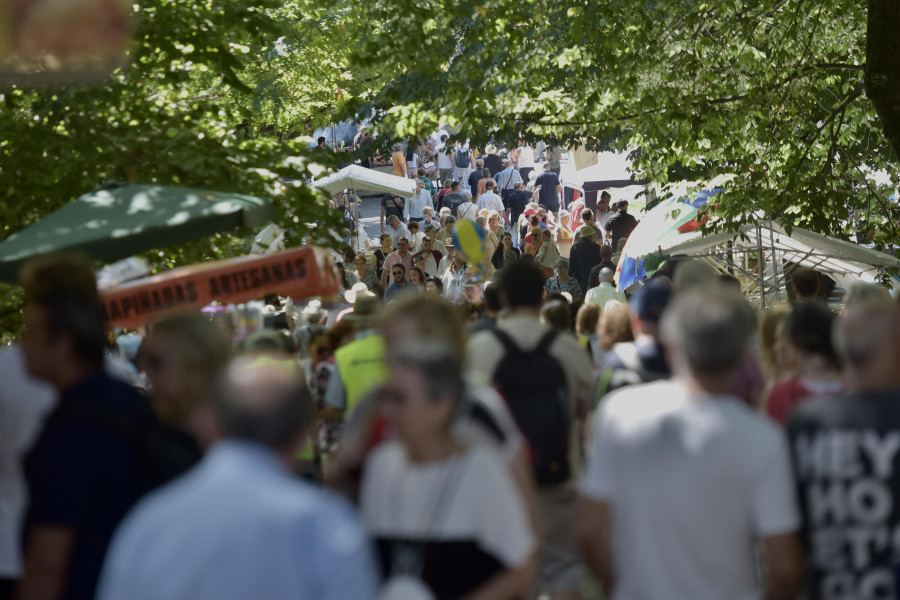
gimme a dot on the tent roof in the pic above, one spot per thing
(356, 177)
(814, 250)
(119, 219)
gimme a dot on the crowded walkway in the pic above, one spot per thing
(465, 420)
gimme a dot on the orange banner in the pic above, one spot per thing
(298, 273)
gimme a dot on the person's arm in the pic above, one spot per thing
(335, 397)
(593, 534)
(508, 585)
(784, 559)
(46, 563)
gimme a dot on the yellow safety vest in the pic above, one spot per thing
(361, 367)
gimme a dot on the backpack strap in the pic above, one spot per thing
(508, 344)
(543, 346)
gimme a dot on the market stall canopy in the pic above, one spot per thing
(298, 273)
(823, 253)
(356, 177)
(118, 220)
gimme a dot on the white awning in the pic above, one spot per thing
(360, 178)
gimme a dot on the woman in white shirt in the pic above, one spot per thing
(446, 517)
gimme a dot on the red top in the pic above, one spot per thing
(790, 392)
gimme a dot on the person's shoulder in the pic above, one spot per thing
(643, 400)
(841, 409)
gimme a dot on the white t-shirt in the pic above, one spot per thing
(467, 210)
(466, 509)
(692, 484)
(490, 201)
(444, 153)
(24, 403)
(526, 157)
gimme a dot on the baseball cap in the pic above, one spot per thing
(649, 302)
(529, 212)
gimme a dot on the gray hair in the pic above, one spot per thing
(709, 329)
(509, 257)
(507, 163)
(860, 334)
(440, 363)
(606, 275)
(467, 196)
(392, 217)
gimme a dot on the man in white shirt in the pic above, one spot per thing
(414, 208)
(490, 200)
(683, 478)
(521, 291)
(606, 291)
(397, 229)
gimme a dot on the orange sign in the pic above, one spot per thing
(298, 273)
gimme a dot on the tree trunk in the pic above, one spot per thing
(883, 66)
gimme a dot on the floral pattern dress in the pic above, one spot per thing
(553, 285)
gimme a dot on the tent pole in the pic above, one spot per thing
(775, 262)
(760, 269)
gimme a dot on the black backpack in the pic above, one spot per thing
(533, 384)
(463, 160)
(163, 452)
(452, 203)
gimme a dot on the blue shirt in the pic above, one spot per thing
(240, 526)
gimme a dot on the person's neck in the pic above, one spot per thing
(524, 311)
(702, 384)
(432, 449)
(68, 375)
(562, 277)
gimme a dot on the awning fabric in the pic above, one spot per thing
(356, 177)
(118, 220)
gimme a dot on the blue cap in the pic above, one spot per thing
(649, 302)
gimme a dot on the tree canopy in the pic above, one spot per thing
(215, 96)
(772, 92)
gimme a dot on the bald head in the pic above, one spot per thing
(264, 399)
(606, 275)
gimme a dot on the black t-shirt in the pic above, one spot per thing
(83, 476)
(393, 206)
(474, 177)
(620, 225)
(846, 451)
(493, 163)
(516, 202)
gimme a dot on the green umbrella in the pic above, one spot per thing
(118, 220)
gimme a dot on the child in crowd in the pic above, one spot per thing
(547, 255)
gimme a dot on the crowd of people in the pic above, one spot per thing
(446, 430)
(672, 443)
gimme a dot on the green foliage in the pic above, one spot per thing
(770, 92)
(214, 97)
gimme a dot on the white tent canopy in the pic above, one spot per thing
(843, 261)
(360, 178)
